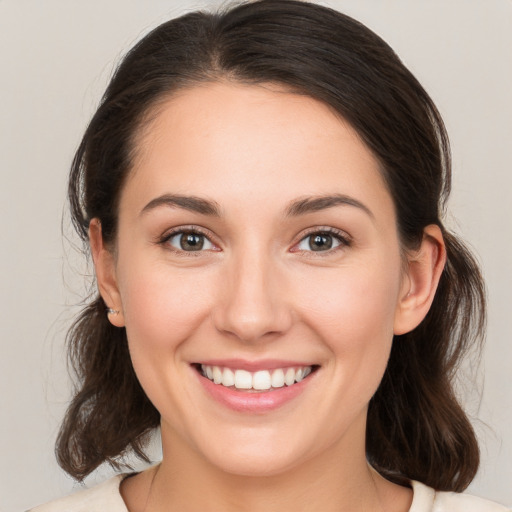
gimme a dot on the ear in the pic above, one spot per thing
(424, 269)
(104, 264)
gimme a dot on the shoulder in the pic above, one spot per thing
(102, 497)
(427, 499)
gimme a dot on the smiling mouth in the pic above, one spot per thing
(258, 381)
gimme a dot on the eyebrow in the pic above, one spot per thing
(299, 207)
(316, 203)
(191, 203)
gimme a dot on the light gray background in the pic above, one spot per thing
(55, 59)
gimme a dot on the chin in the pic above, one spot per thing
(257, 457)
(255, 466)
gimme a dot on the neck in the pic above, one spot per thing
(338, 479)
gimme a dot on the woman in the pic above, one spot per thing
(262, 191)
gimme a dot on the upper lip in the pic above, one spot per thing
(252, 366)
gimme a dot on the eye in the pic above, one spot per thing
(321, 241)
(189, 241)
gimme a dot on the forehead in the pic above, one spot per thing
(229, 141)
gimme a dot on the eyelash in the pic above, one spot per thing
(185, 230)
(343, 239)
(340, 236)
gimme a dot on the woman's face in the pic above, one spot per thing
(257, 241)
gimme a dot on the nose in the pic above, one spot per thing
(253, 303)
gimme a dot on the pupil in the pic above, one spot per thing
(191, 242)
(320, 242)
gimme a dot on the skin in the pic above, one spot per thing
(258, 291)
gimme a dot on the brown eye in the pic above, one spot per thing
(321, 241)
(190, 241)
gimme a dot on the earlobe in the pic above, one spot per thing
(104, 266)
(424, 269)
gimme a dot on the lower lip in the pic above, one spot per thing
(253, 402)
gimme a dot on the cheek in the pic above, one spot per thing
(354, 306)
(162, 311)
(162, 308)
(353, 311)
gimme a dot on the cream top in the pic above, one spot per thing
(106, 497)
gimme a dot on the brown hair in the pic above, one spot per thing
(416, 428)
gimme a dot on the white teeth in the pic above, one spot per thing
(278, 378)
(261, 380)
(289, 377)
(217, 375)
(228, 377)
(243, 379)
